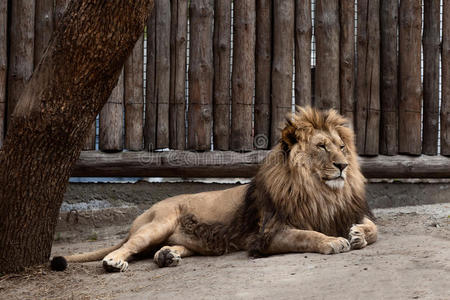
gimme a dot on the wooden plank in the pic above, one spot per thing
(445, 105)
(233, 164)
(43, 27)
(3, 65)
(410, 16)
(162, 72)
(201, 73)
(431, 45)
(263, 75)
(150, 100)
(111, 120)
(60, 8)
(222, 51)
(389, 77)
(90, 140)
(347, 58)
(134, 97)
(21, 49)
(303, 35)
(327, 54)
(367, 116)
(243, 77)
(283, 49)
(178, 40)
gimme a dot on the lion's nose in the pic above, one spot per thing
(340, 166)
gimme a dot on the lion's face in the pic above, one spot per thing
(322, 144)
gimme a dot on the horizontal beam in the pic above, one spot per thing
(233, 164)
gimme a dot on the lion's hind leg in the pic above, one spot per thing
(170, 256)
(363, 234)
(147, 236)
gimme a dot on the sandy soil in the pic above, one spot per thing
(411, 260)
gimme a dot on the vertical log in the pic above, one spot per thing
(201, 72)
(347, 58)
(150, 100)
(222, 50)
(303, 35)
(243, 77)
(389, 77)
(327, 54)
(431, 42)
(111, 120)
(162, 69)
(445, 105)
(368, 80)
(283, 49)
(21, 47)
(43, 27)
(178, 39)
(134, 98)
(263, 72)
(3, 65)
(60, 7)
(410, 16)
(90, 140)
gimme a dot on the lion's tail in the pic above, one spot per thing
(59, 263)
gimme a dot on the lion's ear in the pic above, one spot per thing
(288, 135)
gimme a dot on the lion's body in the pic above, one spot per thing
(306, 197)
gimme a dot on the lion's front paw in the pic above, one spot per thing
(167, 258)
(112, 265)
(332, 245)
(357, 238)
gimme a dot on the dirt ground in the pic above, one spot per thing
(411, 260)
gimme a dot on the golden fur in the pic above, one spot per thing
(306, 197)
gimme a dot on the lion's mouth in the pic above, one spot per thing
(333, 178)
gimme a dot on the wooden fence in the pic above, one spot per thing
(221, 75)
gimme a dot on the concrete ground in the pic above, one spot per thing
(411, 260)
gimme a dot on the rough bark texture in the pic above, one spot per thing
(347, 58)
(222, 51)
(409, 134)
(151, 104)
(201, 73)
(111, 120)
(3, 66)
(445, 105)
(327, 54)
(367, 118)
(283, 50)
(431, 41)
(303, 32)
(47, 128)
(134, 98)
(21, 43)
(263, 73)
(162, 71)
(178, 43)
(389, 77)
(243, 78)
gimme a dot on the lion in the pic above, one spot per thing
(308, 195)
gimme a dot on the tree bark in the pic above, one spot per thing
(243, 77)
(49, 123)
(222, 51)
(3, 65)
(263, 78)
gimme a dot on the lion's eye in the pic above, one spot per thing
(342, 147)
(322, 146)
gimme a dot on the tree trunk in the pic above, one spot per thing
(53, 114)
